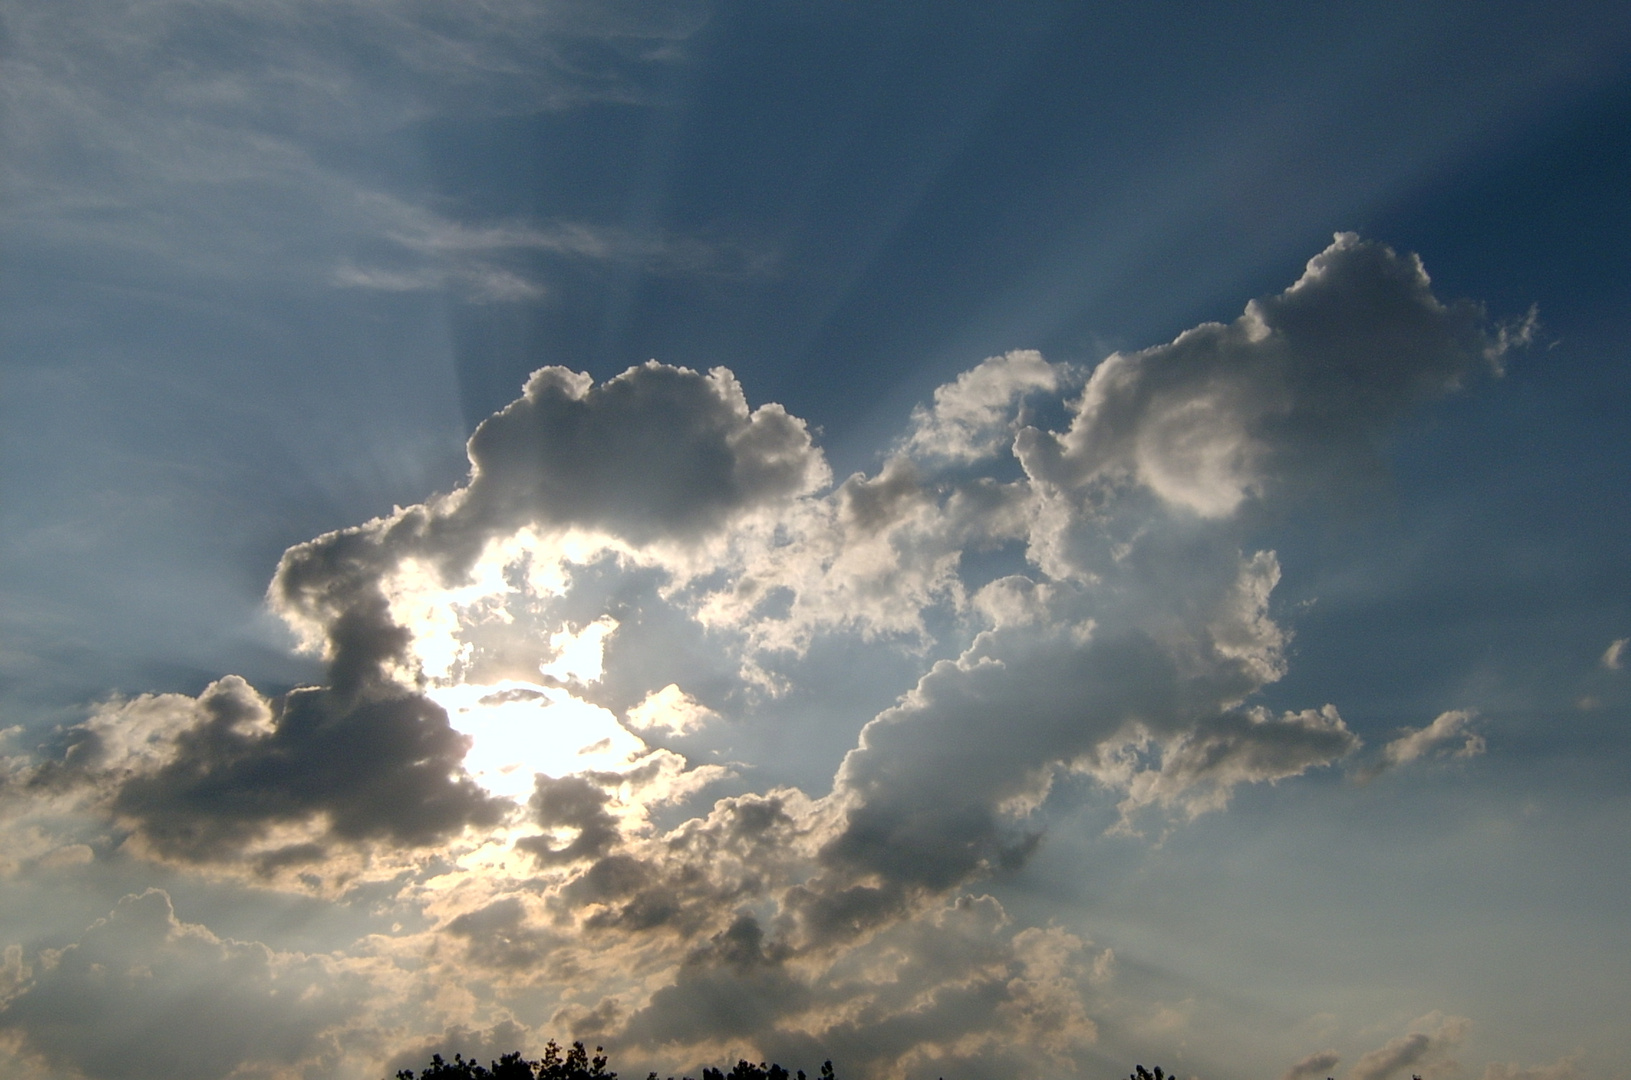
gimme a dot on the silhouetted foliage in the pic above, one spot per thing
(574, 1064)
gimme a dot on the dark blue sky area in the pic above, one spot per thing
(895, 199)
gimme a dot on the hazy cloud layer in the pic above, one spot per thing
(1082, 601)
(1424, 1050)
(143, 995)
(1316, 1064)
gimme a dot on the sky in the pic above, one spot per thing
(968, 540)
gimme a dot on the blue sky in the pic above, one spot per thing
(1238, 615)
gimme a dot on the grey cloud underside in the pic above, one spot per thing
(656, 454)
(653, 453)
(143, 996)
(373, 765)
(1127, 647)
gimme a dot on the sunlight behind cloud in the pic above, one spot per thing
(521, 729)
(579, 656)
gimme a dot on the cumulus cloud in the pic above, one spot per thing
(381, 767)
(656, 455)
(971, 417)
(956, 984)
(1291, 395)
(1070, 567)
(144, 995)
(1436, 739)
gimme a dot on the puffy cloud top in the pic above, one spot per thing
(656, 452)
(1291, 394)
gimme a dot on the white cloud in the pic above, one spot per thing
(670, 710)
(1436, 739)
(1290, 396)
(974, 415)
(1613, 654)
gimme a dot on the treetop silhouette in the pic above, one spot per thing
(575, 1063)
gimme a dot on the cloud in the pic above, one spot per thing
(576, 803)
(199, 140)
(956, 986)
(1613, 654)
(670, 709)
(370, 766)
(1288, 398)
(1434, 739)
(1313, 1065)
(143, 995)
(1424, 1049)
(971, 416)
(1070, 569)
(1564, 1068)
(657, 454)
(483, 1045)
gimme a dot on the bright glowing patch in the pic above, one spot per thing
(521, 729)
(579, 656)
(670, 710)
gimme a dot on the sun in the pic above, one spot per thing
(519, 729)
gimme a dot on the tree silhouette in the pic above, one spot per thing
(576, 1064)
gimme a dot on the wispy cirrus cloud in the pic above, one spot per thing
(219, 139)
